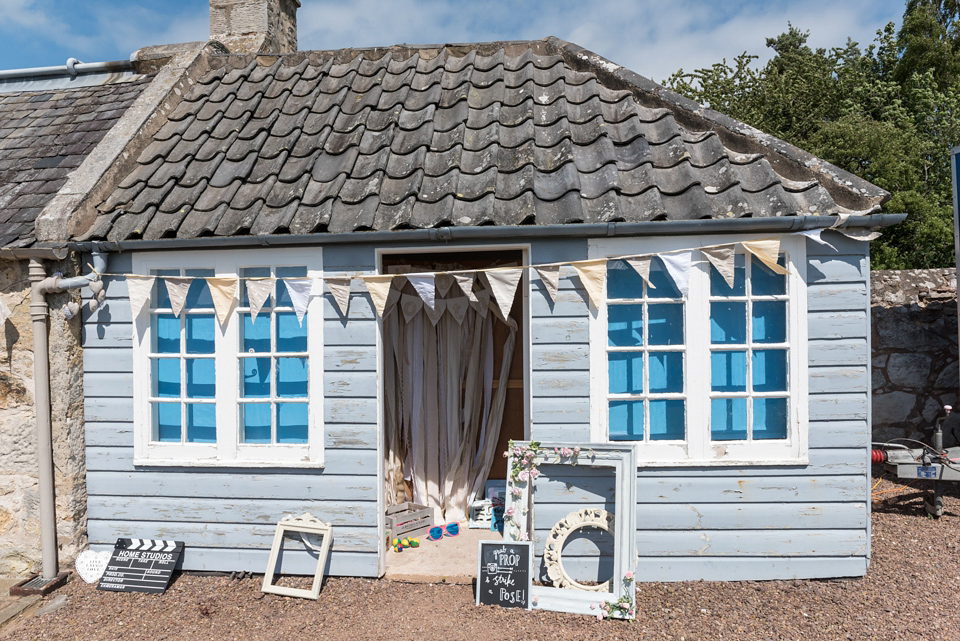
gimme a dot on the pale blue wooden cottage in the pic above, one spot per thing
(747, 402)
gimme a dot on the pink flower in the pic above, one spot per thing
(509, 511)
(630, 612)
(523, 475)
(516, 491)
(628, 576)
(534, 473)
(535, 600)
(517, 451)
(593, 606)
(524, 536)
(599, 616)
(576, 450)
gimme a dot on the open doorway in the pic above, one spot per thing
(453, 398)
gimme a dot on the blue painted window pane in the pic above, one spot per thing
(623, 281)
(166, 332)
(252, 272)
(728, 371)
(292, 376)
(667, 420)
(291, 337)
(201, 378)
(769, 418)
(728, 419)
(728, 323)
(666, 373)
(625, 325)
(198, 296)
(663, 286)
(256, 377)
(665, 324)
(764, 282)
(770, 370)
(202, 423)
(160, 296)
(626, 420)
(201, 329)
(166, 377)
(291, 423)
(718, 285)
(770, 321)
(166, 417)
(283, 296)
(626, 372)
(256, 333)
(255, 418)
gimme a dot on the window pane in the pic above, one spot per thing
(166, 417)
(663, 286)
(666, 374)
(623, 281)
(292, 376)
(728, 419)
(626, 420)
(291, 423)
(728, 323)
(728, 371)
(770, 321)
(166, 377)
(770, 370)
(202, 423)
(198, 296)
(719, 287)
(201, 378)
(283, 297)
(255, 418)
(763, 282)
(666, 324)
(256, 377)
(291, 337)
(200, 333)
(166, 334)
(769, 418)
(256, 334)
(626, 372)
(666, 420)
(160, 296)
(251, 272)
(625, 325)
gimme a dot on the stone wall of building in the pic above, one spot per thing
(915, 373)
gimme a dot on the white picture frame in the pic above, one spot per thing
(305, 524)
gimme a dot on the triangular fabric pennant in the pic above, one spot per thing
(299, 290)
(224, 293)
(258, 291)
(426, 286)
(379, 288)
(458, 308)
(138, 289)
(411, 306)
(724, 260)
(767, 251)
(177, 289)
(4, 311)
(678, 266)
(444, 283)
(482, 304)
(815, 235)
(550, 277)
(641, 265)
(465, 281)
(503, 284)
(859, 234)
(593, 275)
(439, 306)
(340, 288)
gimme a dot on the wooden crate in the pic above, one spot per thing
(408, 519)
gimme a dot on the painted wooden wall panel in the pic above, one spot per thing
(561, 432)
(560, 357)
(107, 384)
(108, 434)
(564, 330)
(554, 410)
(352, 334)
(739, 569)
(357, 359)
(547, 383)
(350, 410)
(108, 409)
(785, 489)
(850, 351)
(836, 325)
(568, 303)
(361, 308)
(100, 359)
(825, 380)
(837, 296)
(350, 384)
(838, 407)
(837, 268)
(108, 335)
(234, 484)
(349, 258)
(351, 436)
(763, 543)
(842, 433)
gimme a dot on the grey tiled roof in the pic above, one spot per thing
(44, 136)
(536, 132)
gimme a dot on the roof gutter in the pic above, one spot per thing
(785, 224)
(72, 68)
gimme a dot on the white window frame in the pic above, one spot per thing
(698, 449)
(228, 451)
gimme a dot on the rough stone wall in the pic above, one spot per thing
(19, 498)
(915, 373)
(233, 21)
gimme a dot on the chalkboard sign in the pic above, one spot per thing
(504, 573)
(141, 565)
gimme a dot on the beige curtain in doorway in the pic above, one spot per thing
(443, 401)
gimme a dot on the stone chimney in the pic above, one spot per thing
(255, 26)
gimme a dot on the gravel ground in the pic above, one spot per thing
(907, 594)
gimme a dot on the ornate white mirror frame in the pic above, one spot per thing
(304, 524)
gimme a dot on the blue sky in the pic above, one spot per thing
(651, 37)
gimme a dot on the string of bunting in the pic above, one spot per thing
(502, 282)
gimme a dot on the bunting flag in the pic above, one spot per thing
(503, 284)
(593, 275)
(860, 234)
(678, 266)
(482, 304)
(439, 306)
(465, 281)
(299, 290)
(139, 288)
(816, 235)
(767, 251)
(641, 265)
(550, 277)
(4, 311)
(340, 288)
(411, 305)
(258, 291)
(426, 286)
(444, 283)
(458, 308)
(224, 293)
(177, 289)
(724, 260)
(379, 288)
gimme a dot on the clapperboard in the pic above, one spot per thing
(141, 565)
(505, 573)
